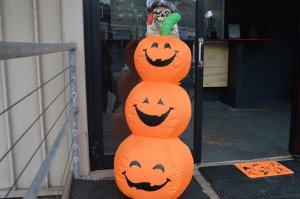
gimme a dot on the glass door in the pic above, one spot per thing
(119, 26)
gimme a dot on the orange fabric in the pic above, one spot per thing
(130, 78)
(163, 98)
(150, 163)
(129, 54)
(126, 83)
(118, 126)
(263, 169)
(172, 53)
(153, 162)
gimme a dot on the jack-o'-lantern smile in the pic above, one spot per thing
(159, 62)
(152, 120)
(146, 186)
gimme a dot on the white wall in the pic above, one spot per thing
(41, 21)
(73, 31)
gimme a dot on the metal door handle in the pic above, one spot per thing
(193, 59)
(200, 60)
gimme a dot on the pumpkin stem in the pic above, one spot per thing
(169, 23)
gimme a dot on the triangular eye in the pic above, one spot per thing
(160, 102)
(154, 45)
(146, 101)
(167, 45)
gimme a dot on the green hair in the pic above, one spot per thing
(169, 23)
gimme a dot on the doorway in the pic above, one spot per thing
(250, 117)
(113, 29)
(247, 116)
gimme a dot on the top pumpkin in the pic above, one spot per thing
(162, 59)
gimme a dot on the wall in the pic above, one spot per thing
(41, 21)
(269, 67)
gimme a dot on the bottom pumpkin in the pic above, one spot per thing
(152, 167)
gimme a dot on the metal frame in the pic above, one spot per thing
(198, 82)
(93, 82)
(294, 142)
(11, 50)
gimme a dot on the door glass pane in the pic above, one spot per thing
(214, 19)
(122, 23)
(246, 113)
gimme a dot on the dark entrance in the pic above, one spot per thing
(111, 27)
(261, 74)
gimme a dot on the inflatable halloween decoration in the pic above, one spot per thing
(130, 78)
(118, 126)
(162, 59)
(153, 168)
(156, 109)
(127, 81)
(153, 162)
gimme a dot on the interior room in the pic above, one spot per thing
(250, 118)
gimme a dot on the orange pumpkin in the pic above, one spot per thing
(129, 54)
(162, 59)
(126, 83)
(150, 168)
(161, 110)
(118, 126)
(130, 78)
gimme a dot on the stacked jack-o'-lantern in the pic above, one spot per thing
(153, 162)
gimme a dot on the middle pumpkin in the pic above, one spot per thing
(160, 110)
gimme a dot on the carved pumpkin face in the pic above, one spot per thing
(162, 59)
(161, 110)
(153, 168)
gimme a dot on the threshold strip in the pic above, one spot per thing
(232, 162)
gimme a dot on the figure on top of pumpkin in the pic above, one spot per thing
(158, 11)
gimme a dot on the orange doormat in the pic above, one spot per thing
(263, 169)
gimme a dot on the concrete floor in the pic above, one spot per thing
(259, 131)
(215, 182)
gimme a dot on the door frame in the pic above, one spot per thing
(93, 83)
(98, 160)
(197, 149)
(294, 145)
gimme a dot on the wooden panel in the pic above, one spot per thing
(215, 72)
(6, 171)
(49, 23)
(72, 11)
(17, 25)
(31, 21)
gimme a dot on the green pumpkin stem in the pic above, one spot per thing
(169, 23)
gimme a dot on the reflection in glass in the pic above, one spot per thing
(217, 8)
(122, 23)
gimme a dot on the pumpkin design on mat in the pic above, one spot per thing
(161, 110)
(153, 168)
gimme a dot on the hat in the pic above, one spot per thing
(151, 4)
